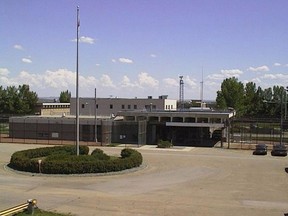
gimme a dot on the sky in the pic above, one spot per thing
(139, 48)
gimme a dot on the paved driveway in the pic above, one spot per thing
(182, 181)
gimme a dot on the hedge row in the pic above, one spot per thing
(164, 144)
(63, 160)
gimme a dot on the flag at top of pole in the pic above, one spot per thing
(78, 20)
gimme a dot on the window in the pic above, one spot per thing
(123, 106)
(83, 106)
(96, 106)
(43, 135)
(129, 106)
(135, 106)
(111, 106)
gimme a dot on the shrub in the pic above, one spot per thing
(63, 160)
(127, 152)
(99, 154)
(164, 144)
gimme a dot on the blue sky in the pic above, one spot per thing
(139, 48)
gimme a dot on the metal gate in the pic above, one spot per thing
(106, 132)
(142, 130)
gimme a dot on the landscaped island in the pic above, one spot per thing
(63, 160)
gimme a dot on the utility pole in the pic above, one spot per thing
(281, 113)
(95, 117)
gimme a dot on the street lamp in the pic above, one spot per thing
(281, 112)
(281, 123)
(95, 116)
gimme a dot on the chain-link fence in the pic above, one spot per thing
(248, 132)
(244, 133)
(54, 132)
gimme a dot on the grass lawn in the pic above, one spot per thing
(39, 212)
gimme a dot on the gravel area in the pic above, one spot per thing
(179, 181)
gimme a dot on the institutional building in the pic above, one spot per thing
(135, 121)
(111, 106)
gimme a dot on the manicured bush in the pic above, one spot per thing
(27, 160)
(100, 155)
(63, 160)
(127, 152)
(164, 144)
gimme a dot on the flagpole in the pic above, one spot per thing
(77, 86)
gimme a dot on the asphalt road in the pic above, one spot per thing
(182, 181)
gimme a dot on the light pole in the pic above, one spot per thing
(281, 121)
(95, 117)
(281, 112)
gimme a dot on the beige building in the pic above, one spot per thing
(53, 109)
(111, 106)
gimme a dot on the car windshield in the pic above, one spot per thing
(261, 147)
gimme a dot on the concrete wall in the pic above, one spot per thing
(110, 106)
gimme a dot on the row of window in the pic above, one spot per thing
(168, 107)
(55, 106)
(122, 107)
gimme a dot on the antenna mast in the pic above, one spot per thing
(181, 94)
(201, 90)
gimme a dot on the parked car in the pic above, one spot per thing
(260, 149)
(279, 150)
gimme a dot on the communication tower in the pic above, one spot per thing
(181, 93)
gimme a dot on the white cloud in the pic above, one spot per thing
(51, 83)
(269, 76)
(256, 80)
(126, 83)
(190, 82)
(147, 81)
(232, 73)
(17, 46)
(4, 72)
(277, 64)
(225, 74)
(113, 60)
(84, 39)
(26, 60)
(281, 77)
(259, 69)
(216, 76)
(153, 55)
(106, 81)
(170, 82)
(125, 60)
(34, 80)
(62, 78)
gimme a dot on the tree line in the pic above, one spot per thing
(22, 101)
(251, 101)
(17, 100)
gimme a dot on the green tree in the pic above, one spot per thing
(231, 95)
(250, 97)
(28, 100)
(17, 100)
(220, 100)
(65, 97)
